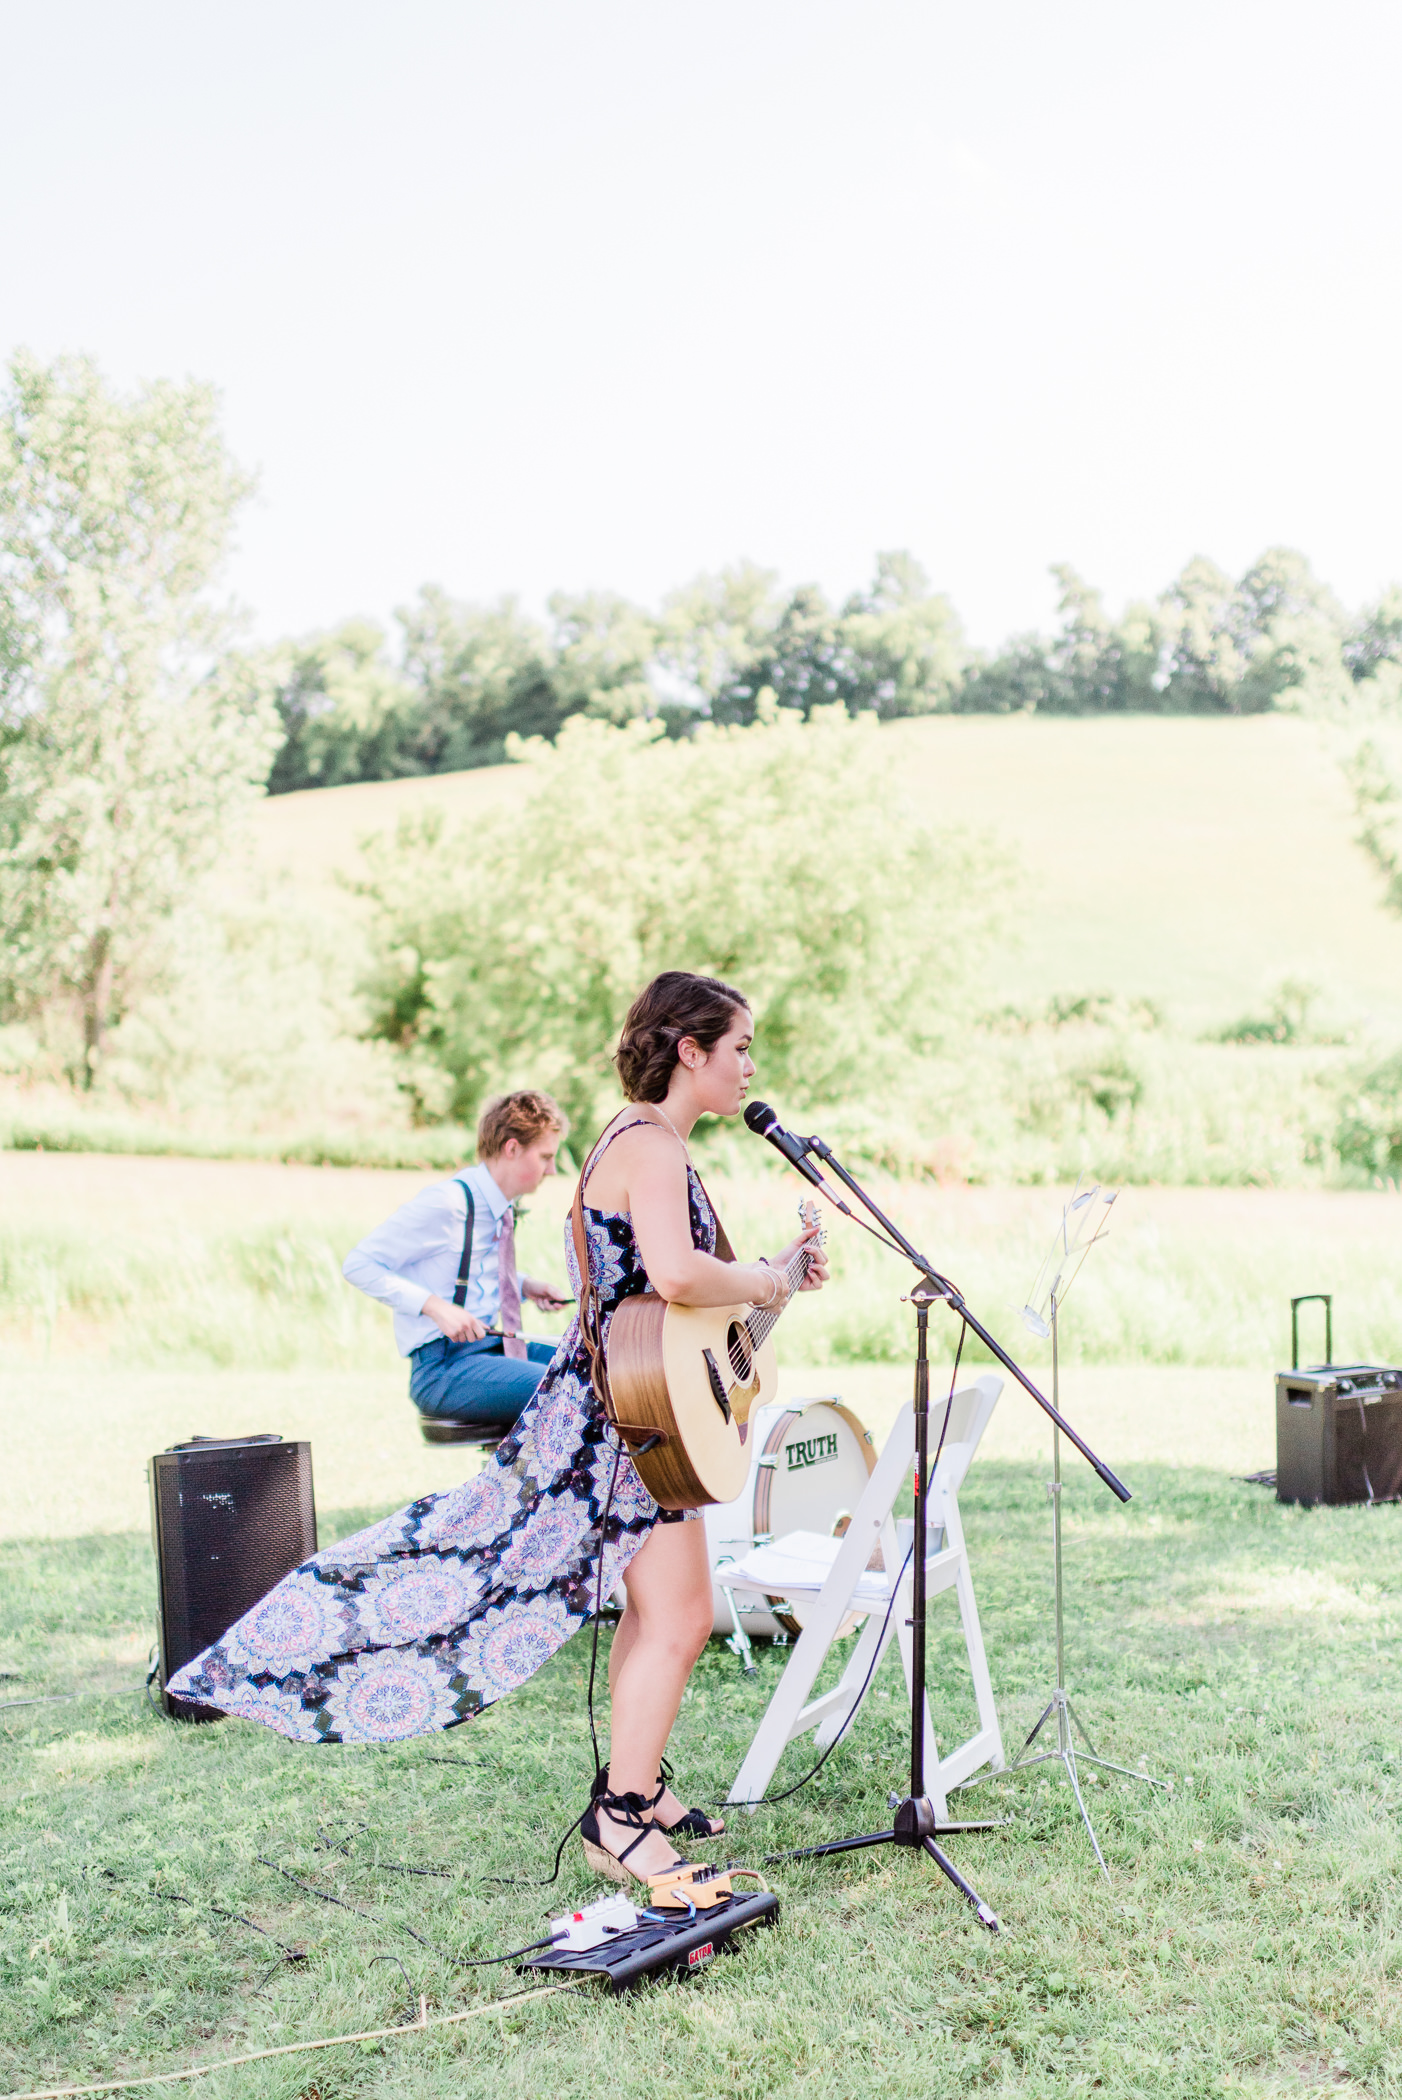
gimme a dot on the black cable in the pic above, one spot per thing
(152, 1673)
(481, 1961)
(599, 1598)
(322, 1843)
(412, 2009)
(62, 1698)
(216, 1910)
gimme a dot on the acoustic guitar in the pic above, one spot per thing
(690, 1376)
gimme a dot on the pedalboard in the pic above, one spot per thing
(623, 1944)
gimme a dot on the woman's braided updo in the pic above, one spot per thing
(673, 1006)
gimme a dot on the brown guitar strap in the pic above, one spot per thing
(724, 1250)
(590, 1326)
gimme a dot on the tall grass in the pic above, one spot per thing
(1185, 1277)
(61, 1126)
(1035, 1107)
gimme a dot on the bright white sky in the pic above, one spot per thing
(515, 294)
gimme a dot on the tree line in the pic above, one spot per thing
(732, 648)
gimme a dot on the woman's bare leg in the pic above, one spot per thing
(669, 1600)
(624, 1635)
(669, 1808)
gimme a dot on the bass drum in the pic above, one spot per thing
(812, 1459)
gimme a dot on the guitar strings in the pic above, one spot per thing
(759, 1323)
(761, 1320)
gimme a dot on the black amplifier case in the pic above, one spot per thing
(1338, 1434)
(229, 1518)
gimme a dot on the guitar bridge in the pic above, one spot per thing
(718, 1392)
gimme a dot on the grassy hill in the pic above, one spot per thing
(1191, 862)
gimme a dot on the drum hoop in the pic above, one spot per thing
(764, 1481)
(764, 1475)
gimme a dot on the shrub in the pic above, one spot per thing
(778, 856)
(1369, 1135)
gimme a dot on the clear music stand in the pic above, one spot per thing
(1085, 1220)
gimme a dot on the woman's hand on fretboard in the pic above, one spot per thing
(798, 1274)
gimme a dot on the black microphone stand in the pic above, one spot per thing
(915, 1824)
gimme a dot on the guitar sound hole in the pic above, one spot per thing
(740, 1352)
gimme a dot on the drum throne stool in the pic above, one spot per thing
(833, 1577)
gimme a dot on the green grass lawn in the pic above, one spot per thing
(1249, 1940)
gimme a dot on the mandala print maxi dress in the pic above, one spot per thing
(424, 1619)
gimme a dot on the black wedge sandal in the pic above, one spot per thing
(628, 1810)
(692, 1823)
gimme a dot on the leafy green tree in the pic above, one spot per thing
(733, 647)
(1373, 649)
(711, 636)
(1275, 639)
(603, 650)
(904, 643)
(1369, 1133)
(894, 649)
(485, 673)
(805, 664)
(127, 741)
(346, 714)
(775, 855)
(1203, 659)
(1092, 666)
(1293, 631)
(482, 673)
(1377, 808)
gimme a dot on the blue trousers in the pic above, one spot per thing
(476, 1381)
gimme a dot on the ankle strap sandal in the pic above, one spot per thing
(627, 1809)
(692, 1823)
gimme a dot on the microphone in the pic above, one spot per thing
(764, 1123)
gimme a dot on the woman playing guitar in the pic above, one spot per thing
(684, 1052)
(435, 1612)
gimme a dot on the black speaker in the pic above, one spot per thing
(1338, 1434)
(230, 1516)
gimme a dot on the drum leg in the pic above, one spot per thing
(739, 1641)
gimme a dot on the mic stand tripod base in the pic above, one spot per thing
(916, 1826)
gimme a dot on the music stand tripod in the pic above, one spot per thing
(1060, 1705)
(915, 1824)
(1084, 1222)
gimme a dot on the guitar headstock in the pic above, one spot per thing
(811, 1215)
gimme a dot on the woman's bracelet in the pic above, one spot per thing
(777, 1280)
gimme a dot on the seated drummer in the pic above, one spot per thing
(446, 1264)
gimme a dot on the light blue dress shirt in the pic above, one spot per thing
(415, 1255)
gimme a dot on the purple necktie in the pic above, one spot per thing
(513, 1343)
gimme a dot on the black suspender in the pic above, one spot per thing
(460, 1293)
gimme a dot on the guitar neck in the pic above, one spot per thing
(762, 1321)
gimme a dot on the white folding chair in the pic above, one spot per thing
(791, 1713)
